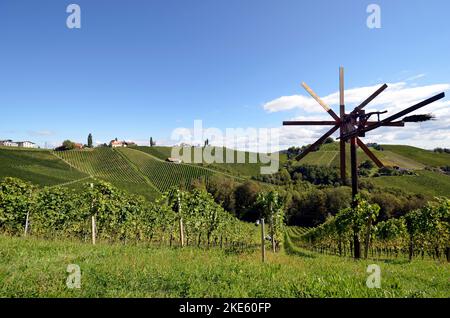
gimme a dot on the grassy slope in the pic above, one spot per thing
(107, 164)
(428, 183)
(402, 156)
(35, 268)
(37, 166)
(424, 157)
(164, 174)
(246, 169)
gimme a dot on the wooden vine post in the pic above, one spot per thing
(27, 220)
(181, 221)
(263, 244)
(93, 224)
(351, 127)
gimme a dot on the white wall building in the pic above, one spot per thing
(9, 143)
(27, 144)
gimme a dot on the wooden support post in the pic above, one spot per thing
(181, 232)
(93, 224)
(26, 223)
(94, 230)
(263, 243)
(342, 128)
(354, 169)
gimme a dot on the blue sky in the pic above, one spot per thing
(137, 69)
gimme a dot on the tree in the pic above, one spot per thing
(245, 198)
(273, 209)
(89, 142)
(152, 142)
(66, 145)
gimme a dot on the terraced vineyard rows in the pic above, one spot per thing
(103, 163)
(109, 165)
(165, 174)
(37, 166)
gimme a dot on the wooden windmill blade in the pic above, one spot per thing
(332, 123)
(320, 101)
(342, 159)
(317, 143)
(388, 124)
(396, 116)
(309, 123)
(370, 98)
(369, 153)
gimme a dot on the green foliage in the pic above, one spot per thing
(66, 145)
(16, 197)
(60, 212)
(273, 211)
(89, 141)
(425, 230)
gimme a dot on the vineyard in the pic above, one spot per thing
(406, 157)
(423, 233)
(245, 169)
(37, 166)
(107, 164)
(165, 175)
(62, 213)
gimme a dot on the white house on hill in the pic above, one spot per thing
(24, 144)
(117, 143)
(27, 144)
(8, 143)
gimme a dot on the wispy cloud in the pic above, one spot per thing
(415, 77)
(40, 133)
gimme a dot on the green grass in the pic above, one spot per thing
(426, 182)
(37, 268)
(37, 166)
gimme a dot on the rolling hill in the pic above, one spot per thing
(143, 170)
(249, 168)
(407, 157)
(164, 174)
(427, 182)
(40, 167)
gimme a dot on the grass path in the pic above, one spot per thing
(37, 268)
